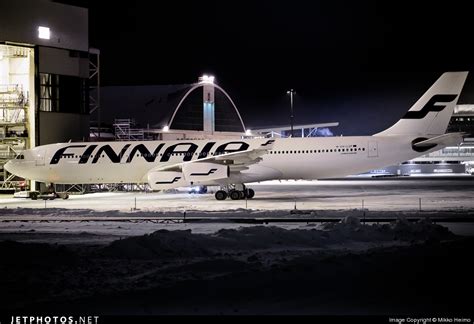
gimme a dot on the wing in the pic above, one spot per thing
(237, 161)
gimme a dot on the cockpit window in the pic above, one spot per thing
(20, 157)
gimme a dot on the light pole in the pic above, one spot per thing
(291, 92)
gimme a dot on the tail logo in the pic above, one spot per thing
(431, 105)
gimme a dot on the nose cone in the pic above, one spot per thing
(10, 167)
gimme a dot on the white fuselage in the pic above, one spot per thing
(293, 158)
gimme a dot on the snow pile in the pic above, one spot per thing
(350, 228)
(265, 237)
(423, 229)
(162, 244)
(179, 243)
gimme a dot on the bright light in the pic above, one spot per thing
(166, 128)
(44, 33)
(248, 132)
(1, 56)
(206, 79)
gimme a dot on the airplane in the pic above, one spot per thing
(232, 164)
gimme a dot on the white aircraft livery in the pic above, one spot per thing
(231, 164)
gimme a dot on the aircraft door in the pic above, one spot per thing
(373, 149)
(39, 157)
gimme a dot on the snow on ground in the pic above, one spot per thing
(96, 254)
(85, 226)
(248, 270)
(380, 195)
(164, 243)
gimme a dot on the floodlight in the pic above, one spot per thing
(44, 32)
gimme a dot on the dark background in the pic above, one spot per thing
(362, 63)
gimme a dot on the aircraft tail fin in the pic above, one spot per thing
(430, 115)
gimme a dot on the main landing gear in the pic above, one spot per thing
(235, 192)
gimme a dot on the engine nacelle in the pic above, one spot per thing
(161, 180)
(202, 173)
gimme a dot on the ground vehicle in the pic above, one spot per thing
(34, 195)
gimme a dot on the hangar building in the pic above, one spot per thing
(45, 76)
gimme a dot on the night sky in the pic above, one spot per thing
(362, 63)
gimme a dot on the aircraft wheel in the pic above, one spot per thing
(242, 194)
(221, 195)
(234, 194)
(250, 193)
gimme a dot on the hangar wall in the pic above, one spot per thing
(63, 127)
(63, 62)
(63, 95)
(69, 25)
(44, 77)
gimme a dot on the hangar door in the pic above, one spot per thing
(373, 149)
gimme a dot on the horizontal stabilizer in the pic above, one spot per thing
(444, 140)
